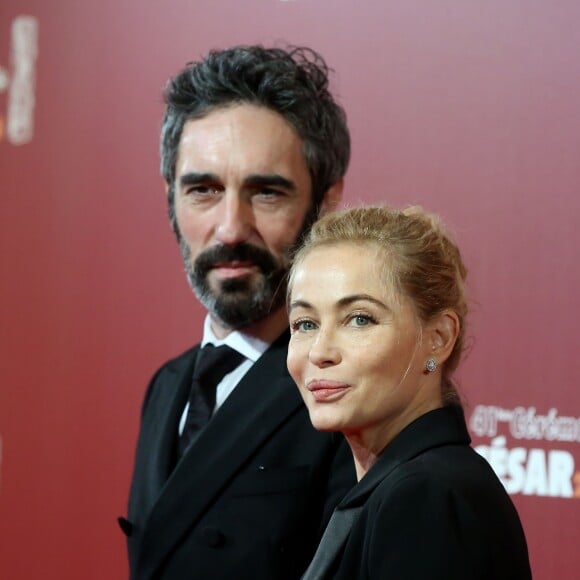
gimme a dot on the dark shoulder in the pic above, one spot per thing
(180, 360)
(175, 366)
(457, 466)
(451, 470)
(452, 485)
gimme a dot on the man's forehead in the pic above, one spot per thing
(241, 115)
(253, 140)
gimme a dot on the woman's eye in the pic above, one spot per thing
(303, 325)
(360, 320)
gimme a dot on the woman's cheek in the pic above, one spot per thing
(295, 361)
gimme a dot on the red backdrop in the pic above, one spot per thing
(470, 108)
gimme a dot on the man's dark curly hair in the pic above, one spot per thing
(292, 82)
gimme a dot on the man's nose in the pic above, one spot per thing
(324, 351)
(235, 220)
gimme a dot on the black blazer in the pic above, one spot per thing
(430, 508)
(251, 496)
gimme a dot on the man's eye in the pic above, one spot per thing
(202, 190)
(268, 193)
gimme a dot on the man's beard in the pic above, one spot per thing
(239, 302)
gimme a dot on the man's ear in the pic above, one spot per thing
(442, 333)
(173, 218)
(332, 197)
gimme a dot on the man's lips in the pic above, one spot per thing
(326, 391)
(233, 269)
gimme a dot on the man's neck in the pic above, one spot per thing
(268, 329)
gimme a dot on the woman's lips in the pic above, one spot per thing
(326, 391)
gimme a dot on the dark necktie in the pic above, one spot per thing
(211, 366)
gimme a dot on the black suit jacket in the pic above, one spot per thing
(253, 493)
(430, 508)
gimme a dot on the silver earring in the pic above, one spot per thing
(431, 365)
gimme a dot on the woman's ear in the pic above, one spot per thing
(442, 333)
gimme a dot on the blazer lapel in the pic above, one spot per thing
(264, 399)
(332, 542)
(155, 457)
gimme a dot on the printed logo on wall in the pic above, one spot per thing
(18, 82)
(540, 461)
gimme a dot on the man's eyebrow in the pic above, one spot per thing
(193, 177)
(274, 179)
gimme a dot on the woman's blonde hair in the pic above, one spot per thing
(422, 262)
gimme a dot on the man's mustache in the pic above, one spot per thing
(243, 252)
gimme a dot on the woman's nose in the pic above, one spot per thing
(324, 351)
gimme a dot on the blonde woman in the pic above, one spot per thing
(377, 314)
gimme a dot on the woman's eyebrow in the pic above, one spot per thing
(348, 300)
(299, 304)
(342, 302)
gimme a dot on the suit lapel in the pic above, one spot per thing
(156, 453)
(264, 399)
(332, 542)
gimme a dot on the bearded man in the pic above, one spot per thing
(230, 479)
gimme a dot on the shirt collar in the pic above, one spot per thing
(250, 347)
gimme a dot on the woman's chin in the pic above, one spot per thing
(323, 422)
